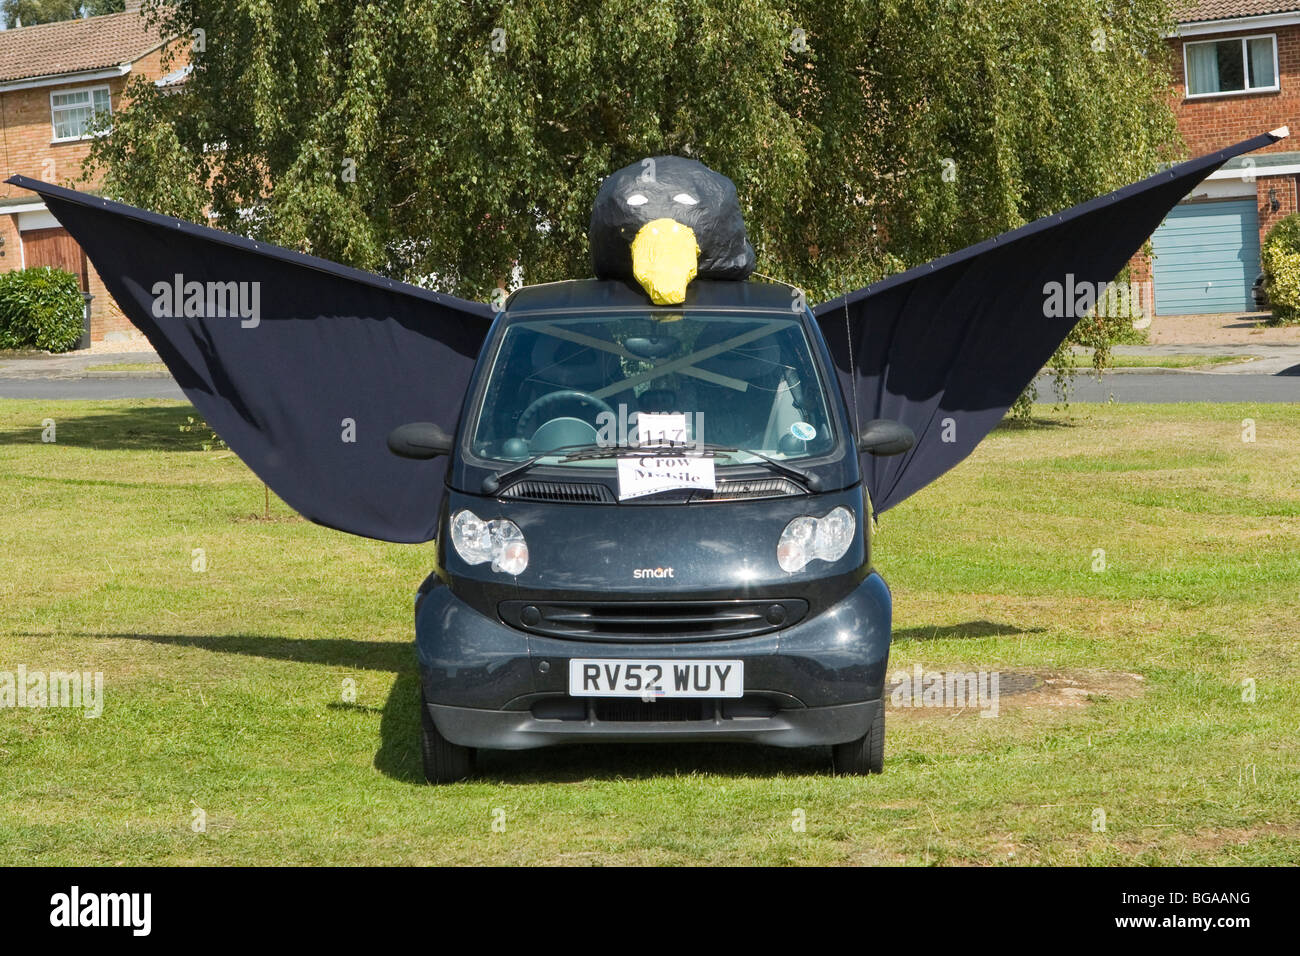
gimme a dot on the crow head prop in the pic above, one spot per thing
(665, 221)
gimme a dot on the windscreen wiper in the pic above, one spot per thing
(811, 481)
(657, 450)
(808, 479)
(493, 482)
(582, 452)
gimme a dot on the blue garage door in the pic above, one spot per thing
(1207, 257)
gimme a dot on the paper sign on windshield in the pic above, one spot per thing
(651, 474)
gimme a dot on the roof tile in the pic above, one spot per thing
(74, 46)
(1195, 11)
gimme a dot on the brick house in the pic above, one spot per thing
(1236, 66)
(54, 78)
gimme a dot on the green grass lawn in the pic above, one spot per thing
(127, 367)
(225, 688)
(1161, 361)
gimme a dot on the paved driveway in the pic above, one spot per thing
(1178, 387)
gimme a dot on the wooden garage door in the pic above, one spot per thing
(1207, 257)
(54, 247)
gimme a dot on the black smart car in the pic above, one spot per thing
(654, 530)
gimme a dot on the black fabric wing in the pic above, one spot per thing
(947, 347)
(301, 365)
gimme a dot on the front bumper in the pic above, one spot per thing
(520, 730)
(818, 682)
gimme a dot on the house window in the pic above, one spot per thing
(1239, 65)
(74, 111)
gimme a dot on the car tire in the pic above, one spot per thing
(444, 762)
(867, 753)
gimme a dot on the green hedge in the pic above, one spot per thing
(1280, 257)
(41, 309)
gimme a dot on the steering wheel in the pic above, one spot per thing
(528, 420)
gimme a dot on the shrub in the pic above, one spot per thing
(1280, 257)
(40, 308)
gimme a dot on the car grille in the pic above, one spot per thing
(652, 620)
(582, 492)
(631, 710)
(751, 488)
(623, 710)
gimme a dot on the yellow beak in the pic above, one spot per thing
(664, 258)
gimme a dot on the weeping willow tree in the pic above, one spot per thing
(449, 143)
(29, 13)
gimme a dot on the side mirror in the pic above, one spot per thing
(881, 436)
(422, 440)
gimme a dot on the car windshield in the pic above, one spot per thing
(745, 382)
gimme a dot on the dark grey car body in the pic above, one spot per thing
(678, 575)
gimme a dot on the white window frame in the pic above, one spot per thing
(1245, 65)
(54, 127)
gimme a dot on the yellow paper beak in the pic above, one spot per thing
(664, 258)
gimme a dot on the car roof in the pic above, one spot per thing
(619, 295)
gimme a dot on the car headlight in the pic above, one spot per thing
(807, 539)
(499, 541)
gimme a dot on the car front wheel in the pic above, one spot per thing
(444, 762)
(867, 753)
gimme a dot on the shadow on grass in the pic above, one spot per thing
(394, 656)
(86, 482)
(399, 723)
(1030, 424)
(399, 730)
(148, 428)
(968, 629)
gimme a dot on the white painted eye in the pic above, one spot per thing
(685, 198)
(636, 199)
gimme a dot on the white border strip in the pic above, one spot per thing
(1266, 22)
(60, 79)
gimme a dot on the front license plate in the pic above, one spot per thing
(651, 679)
